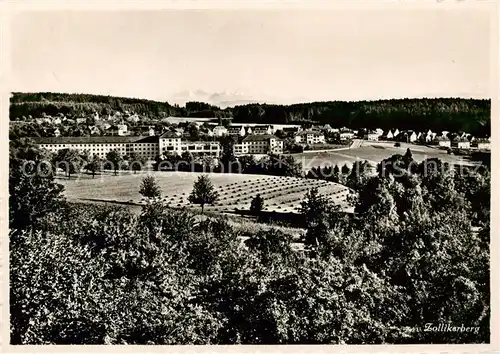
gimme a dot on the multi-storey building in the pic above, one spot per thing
(148, 147)
(263, 129)
(220, 130)
(309, 137)
(259, 144)
(371, 135)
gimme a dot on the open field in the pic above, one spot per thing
(281, 194)
(374, 152)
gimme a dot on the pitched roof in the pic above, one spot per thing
(459, 139)
(169, 134)
(95, 139)
(307, 132)
(260, 137)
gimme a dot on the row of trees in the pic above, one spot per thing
(83, 274)
(273, 164)
(452, 114)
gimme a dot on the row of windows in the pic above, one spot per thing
(76, 146)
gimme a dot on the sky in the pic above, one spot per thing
(281, 56)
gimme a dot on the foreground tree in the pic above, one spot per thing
(136, 162)
(70, 161)
(115, 158)
(203, 192)
(150, 188)
(94, 165)
(257, 204)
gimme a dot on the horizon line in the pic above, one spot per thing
(298, 102)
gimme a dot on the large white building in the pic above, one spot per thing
(259, 144)
(148, 147)
(145, 146)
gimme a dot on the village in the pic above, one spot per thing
(201, 136)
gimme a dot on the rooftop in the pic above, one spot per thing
(307, 132)
(95, 139)
(261, 137)
(169, 134)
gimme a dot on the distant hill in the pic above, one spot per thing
(34, 104)
(454, 114)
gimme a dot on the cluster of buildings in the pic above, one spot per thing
(113, 133)
(148, 147)
(444, 139)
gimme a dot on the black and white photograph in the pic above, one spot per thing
(250, 175)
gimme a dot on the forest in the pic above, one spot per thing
(452, 114)
(416, 251)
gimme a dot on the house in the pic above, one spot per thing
(327, 128)
(442, 141)
(346, 135)
(388, 135)
(81, 120)
(220, 130)
(151, 131)
(43, 120)
(291, 130)
(309, 137)
(56, 120)
(263, 129)
(460, 142)
(371, 135)
(259, 144)
(119, 129)
(482, 144)
(237, 130)
(57, 132)
(407, 136)
(133, 118)
(94, 130)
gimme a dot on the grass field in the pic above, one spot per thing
(281, 194)
(374, 152)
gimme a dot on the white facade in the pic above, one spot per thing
(346, 136)
(444, 143)
(220, 130)
(259, 144)
(122, 129)
(372, 136)
(147, 147)
(309, 137)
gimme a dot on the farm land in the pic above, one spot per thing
(374, 152)
(281, 194)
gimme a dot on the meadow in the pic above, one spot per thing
(374, 152)
(281, 194)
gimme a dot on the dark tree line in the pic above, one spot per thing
(35, 104)
(453, 114)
